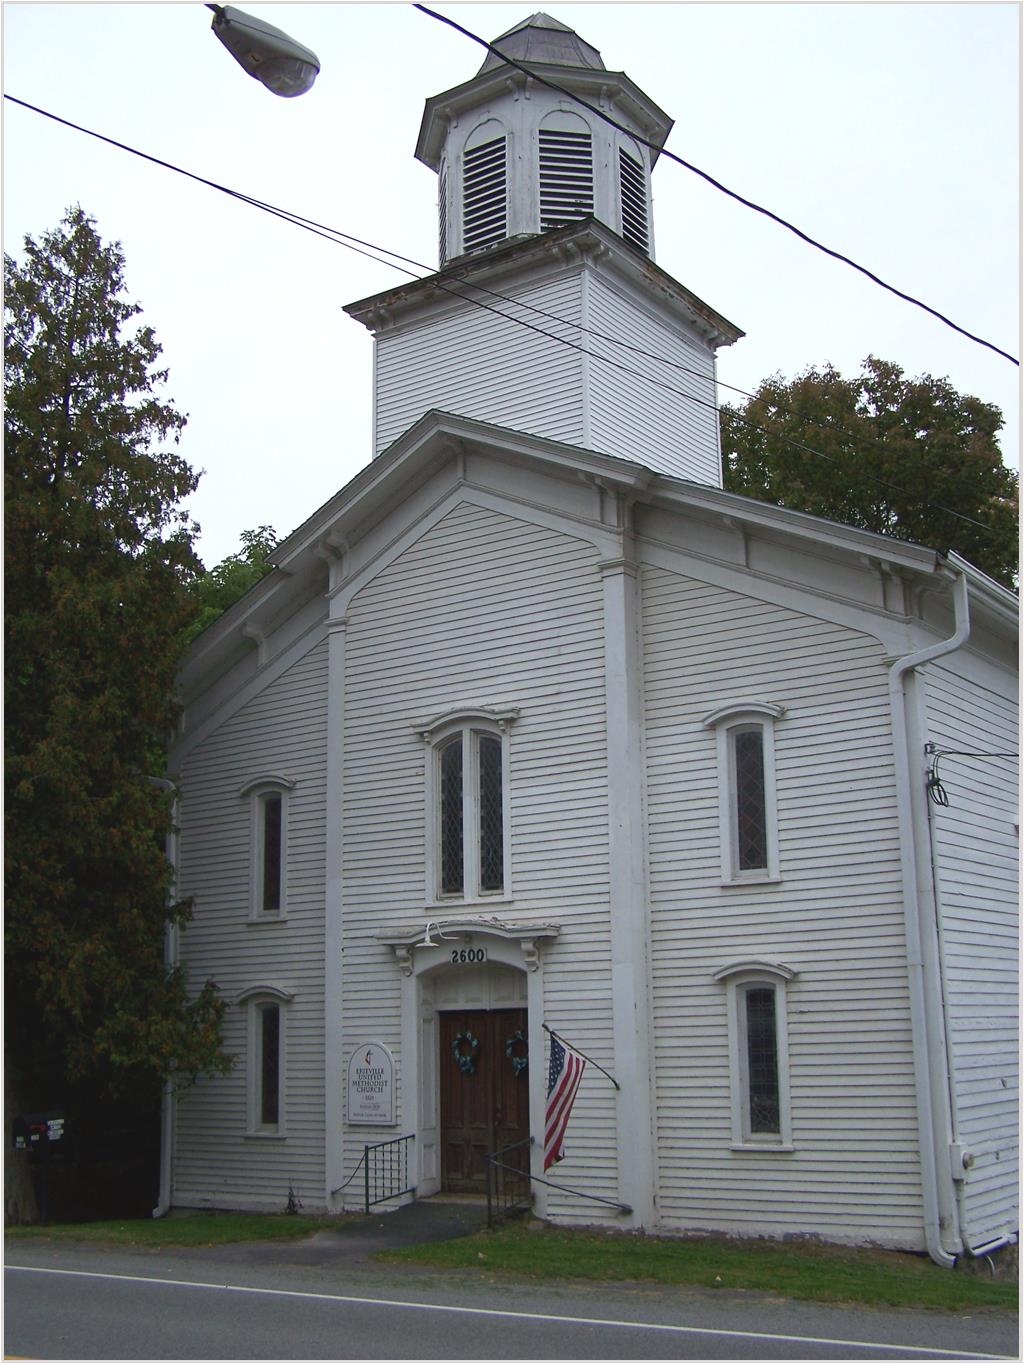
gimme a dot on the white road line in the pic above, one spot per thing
(506, 1313)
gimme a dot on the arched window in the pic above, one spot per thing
(467, 800)
(266, 1011)
(566, 160)
(758, 1053)
(746, 776)
(484, 187)
(268, 796)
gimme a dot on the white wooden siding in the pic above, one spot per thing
(664, 415)
(476, 363)
(484, 608)
(281, 730)
(835, 918)
(976, 856)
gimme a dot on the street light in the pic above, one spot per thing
(283, 65)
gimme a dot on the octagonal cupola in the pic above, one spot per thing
(515, 157)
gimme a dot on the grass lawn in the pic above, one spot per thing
(827, 1274)
(194, 1230)
(797, 1270)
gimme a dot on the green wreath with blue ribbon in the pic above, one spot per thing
(466, 1060)
(519, 1064)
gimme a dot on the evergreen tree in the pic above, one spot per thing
(889, 454)
(98, 563)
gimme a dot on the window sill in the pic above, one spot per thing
(769, 1148)
(268, 919)
(730, 883)
(458, 904)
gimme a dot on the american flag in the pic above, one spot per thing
(565, 1071)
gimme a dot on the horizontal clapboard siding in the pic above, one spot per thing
(479, 364)
(282, 730)
(660, 412)
(976, 854)
(483, 608)
(835, 918)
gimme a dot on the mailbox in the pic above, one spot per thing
(41, 1135)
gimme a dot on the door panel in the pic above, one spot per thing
(484, 1108)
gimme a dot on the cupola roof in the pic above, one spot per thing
(542, 39)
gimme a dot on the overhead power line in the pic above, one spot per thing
(371, 250)
(688, 165)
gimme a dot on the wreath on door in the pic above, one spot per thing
(466, 1060)
(520, 1061)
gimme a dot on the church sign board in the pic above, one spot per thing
(371, 1085)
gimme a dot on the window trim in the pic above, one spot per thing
(256, 1000)
(727, 721)
(493, 721)
(739, 978)
(257, 791)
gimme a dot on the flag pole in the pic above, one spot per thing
(582, 1054)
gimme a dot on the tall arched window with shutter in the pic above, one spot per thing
(633, 206)
(566, 164)
(484, 186)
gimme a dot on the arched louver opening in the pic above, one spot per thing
(484, 215)
(566, 177)
(633, 198)
(442, 215)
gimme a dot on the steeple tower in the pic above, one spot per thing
(548, 315)
(514, 156)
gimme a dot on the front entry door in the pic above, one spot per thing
(485, 1101)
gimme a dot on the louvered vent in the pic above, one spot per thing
(442, 215)
(633, 193)
(566, 177)
(483, 195)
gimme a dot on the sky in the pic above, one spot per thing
(889, 132)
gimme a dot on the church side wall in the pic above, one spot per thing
(490, 609)
(975, 841)
(281, 730)
(478, 363)
(641, 405)
(834, 918)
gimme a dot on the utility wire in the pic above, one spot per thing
(748, 203)
(368, 249)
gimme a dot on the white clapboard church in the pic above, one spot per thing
(533, 727)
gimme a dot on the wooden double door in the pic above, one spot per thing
(485, 1092)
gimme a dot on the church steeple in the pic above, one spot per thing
(516, 158)
(548, 315)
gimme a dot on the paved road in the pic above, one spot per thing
(301, 1302)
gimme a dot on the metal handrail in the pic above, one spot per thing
(505, 1196)
(390, 1169)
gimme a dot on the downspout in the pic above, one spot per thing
(927, 1023)
(170, 959)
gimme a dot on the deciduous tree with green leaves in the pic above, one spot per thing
(99, 566)
(910, 458)
(222, 586)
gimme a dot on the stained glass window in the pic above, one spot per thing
(762, 1060)
(491, 825)
(451, 817)
(271, 895)
(751, 810)
(270, 1064)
